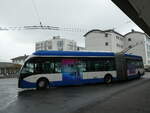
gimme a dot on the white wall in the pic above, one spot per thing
(139, 40)
(117, 42)
(95, 41)
(147, 47)
(53, 45)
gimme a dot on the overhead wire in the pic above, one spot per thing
(36, 11)
(41, 26)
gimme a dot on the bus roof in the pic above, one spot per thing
(78, 53)
(72, 53)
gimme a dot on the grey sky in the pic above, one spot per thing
(84, 14)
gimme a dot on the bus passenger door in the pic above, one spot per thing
(121, 67)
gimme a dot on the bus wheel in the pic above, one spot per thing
(42, 83)
(108, 79)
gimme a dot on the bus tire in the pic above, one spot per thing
(108, 79)
(42, 83)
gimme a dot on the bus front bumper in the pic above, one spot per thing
(24, 84)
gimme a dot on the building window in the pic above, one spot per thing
(117, 37)
(129, 39)
(50, 47)
(118, 45)
(70, 46)
(130, 46)
(148, 62)
(106, 43)
(106, 35)
(60, 43)
(148, 54)
(147, 47)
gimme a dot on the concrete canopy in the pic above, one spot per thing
(138, 11)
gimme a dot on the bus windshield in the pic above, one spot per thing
(40, 66)
(29, 68)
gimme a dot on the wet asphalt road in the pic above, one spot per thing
(131, 96)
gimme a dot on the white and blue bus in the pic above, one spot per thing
(59, 68)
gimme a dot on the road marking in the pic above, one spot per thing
(13, 99)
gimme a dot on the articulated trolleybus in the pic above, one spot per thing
(59, 68)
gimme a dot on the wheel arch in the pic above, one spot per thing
(42, 78)
(108, 74)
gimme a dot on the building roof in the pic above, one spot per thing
(135, 32)
(9, 65)
(94, 30)
(138, 11)
(54, 38)
(112, 30)
(105, 31)
(20, 57)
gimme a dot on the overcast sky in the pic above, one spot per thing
(83, 14)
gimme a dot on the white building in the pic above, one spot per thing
(56, 43)
(19, 60)
(108, 40)
(8, 69)
(142, 42)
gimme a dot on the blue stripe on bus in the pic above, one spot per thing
(26, 84)
(72, 53)
(133, 76)
(77, 82)
(133, 56)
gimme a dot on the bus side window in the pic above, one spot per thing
(90, 65)
(99, 66)
(48, 67)
(57, 67)
(139, 64)
(109, 65)
(38, 68)
(82, 66)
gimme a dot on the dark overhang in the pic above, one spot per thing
(138, 11)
